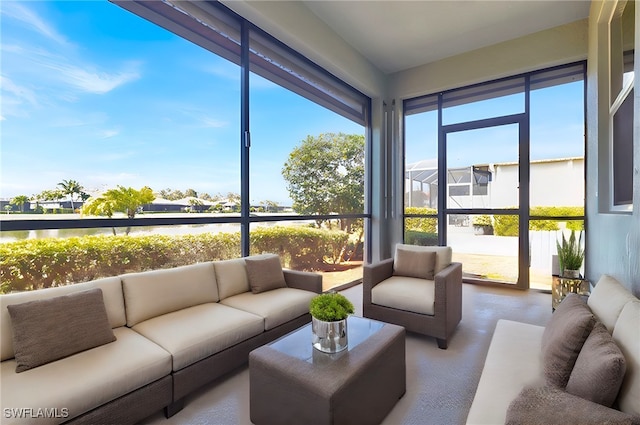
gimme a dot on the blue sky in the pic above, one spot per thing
(93, 93)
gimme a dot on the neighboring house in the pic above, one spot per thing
(554, 182)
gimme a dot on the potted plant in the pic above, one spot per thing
(482, 225)
(570, 255)
(329, 312)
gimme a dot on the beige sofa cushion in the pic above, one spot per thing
(599, 369)
(411, 263)
(607, 300)
(232, 277)
(513, 361)
(264, 273)
(627, 335)
(194, 333)
(111, 292)
(405, 293)
(276, 307)
(55, 328)
(85, 380)
(443, 254)
(153, 293)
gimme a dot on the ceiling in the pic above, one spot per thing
(398, 35)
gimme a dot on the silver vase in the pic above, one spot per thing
(329, 337)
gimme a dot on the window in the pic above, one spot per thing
(165, 99)
(621, 112)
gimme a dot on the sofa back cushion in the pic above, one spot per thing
(157, 292)
(232, 278)
(563, 338)
(627, 335)
(54, 328)
(607, 300)
(443, 254)
(111, 292)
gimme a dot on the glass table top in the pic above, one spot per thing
(298, 343)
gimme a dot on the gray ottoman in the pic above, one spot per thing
(292, 383)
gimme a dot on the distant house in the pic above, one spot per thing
(554, 182)
(163, 205)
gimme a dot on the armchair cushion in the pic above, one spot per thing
(412, 263)
(443, 254)
(405, 293)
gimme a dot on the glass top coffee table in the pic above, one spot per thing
(293, 383)
(298, 343)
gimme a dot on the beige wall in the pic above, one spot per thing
(613, 239)
(556, 46)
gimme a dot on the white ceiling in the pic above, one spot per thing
(398, 35)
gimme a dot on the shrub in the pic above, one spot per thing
(422, 224)
(413, 237)
(42, 263)
(507, 225)
(482, 220)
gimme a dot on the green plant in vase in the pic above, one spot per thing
(329, 312)
(570, 255)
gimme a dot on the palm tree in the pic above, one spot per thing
(71, 188)
(123, 199)
(20, 200)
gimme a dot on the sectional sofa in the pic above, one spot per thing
(582, 368)
(119, 349)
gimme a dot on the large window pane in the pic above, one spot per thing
(482, 168)
(306, 160)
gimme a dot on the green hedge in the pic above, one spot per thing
(41, 263)
(507, 225)
(413, 237)
(428, 225)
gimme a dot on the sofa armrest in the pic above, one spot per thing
(547, 405)
(303, 280)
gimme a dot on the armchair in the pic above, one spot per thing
(420, 289)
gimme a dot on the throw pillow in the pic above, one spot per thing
(563, 337)
(51, 329)
(547, 405)
(264, 273)
(599, 369)
(412, 263)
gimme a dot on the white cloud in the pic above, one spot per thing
(18, 11)
(18, 92)
(212, 122)
(92, 81)
(107, 134)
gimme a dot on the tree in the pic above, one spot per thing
(325, 174)
(122, 199)
(71, 188)
(19, 201)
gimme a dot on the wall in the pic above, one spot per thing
(613, 239)
(555, 46)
